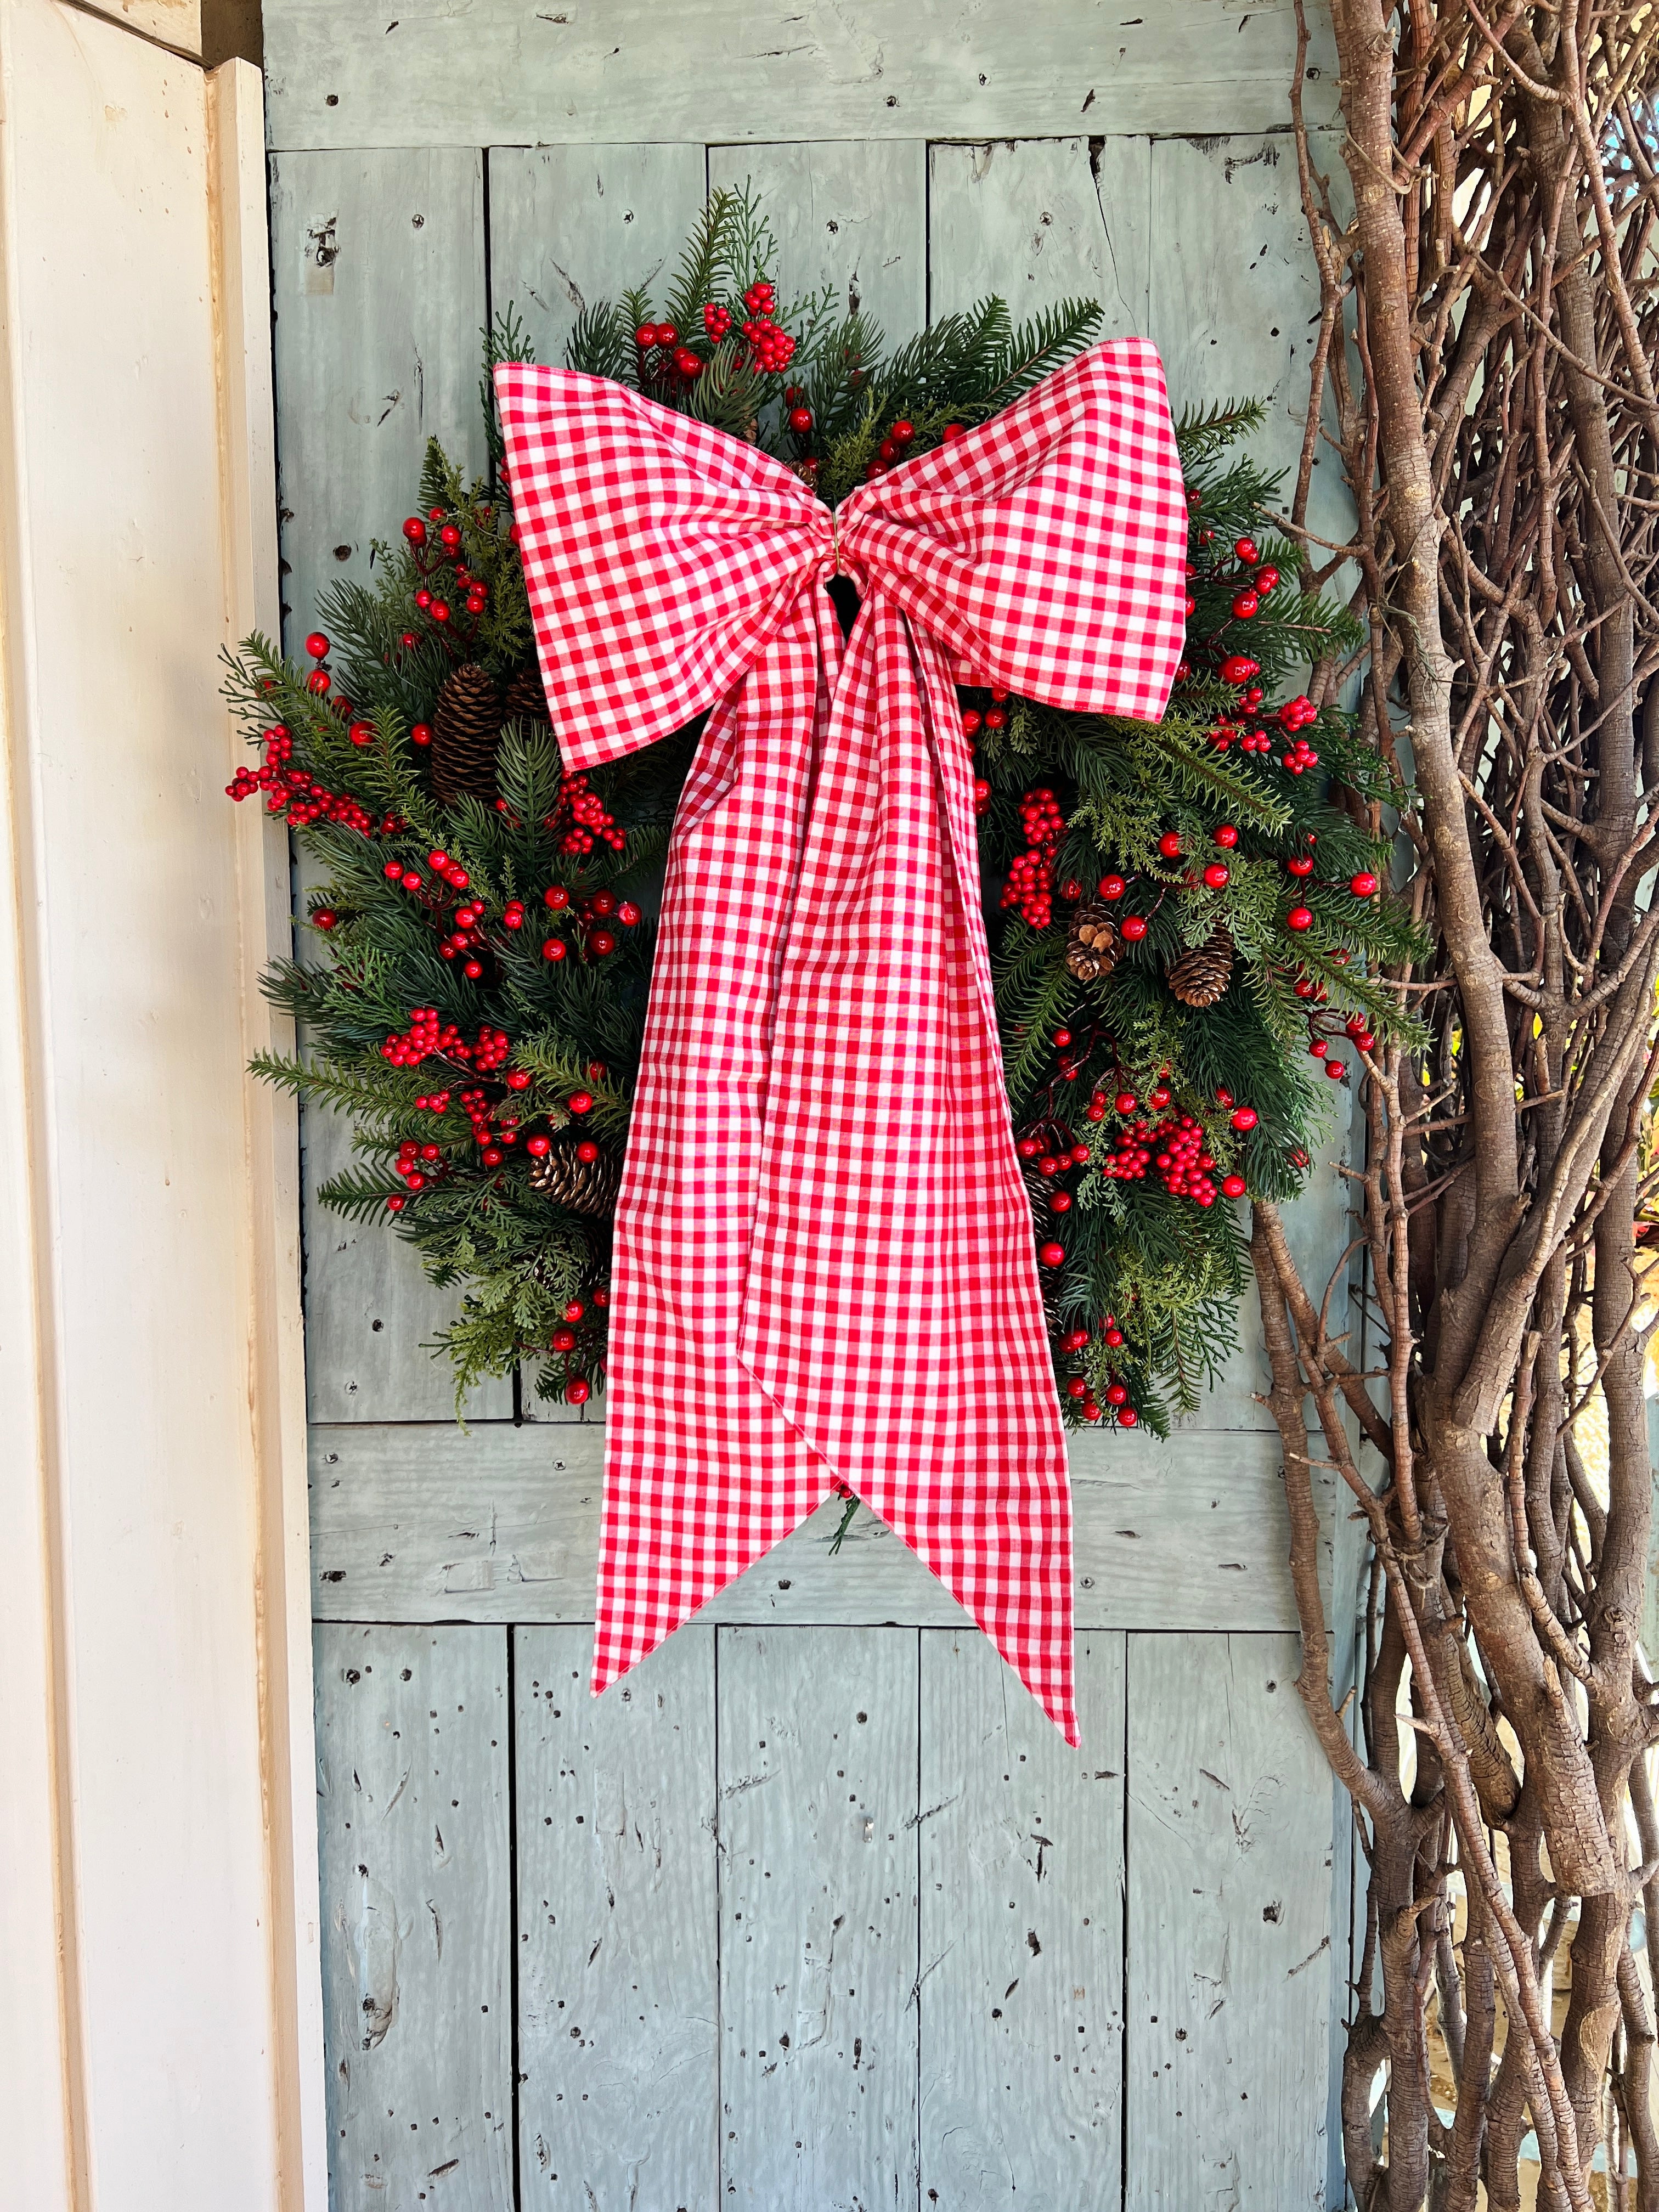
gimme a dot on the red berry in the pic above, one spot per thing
(1053, 1256)
(1114, 1338)
(492, 1156)
(599, 942)
(420, 734)
(1335, 1070)
(995, 718)
(458, 880)
(587, 1153)
(1299, 918)
(1233, 1186)
(396, 1204)
(953, 431)
(323, 918)
(1169, 845)
(580, 1102)
(1245, 604)
(1112, 887)
(577, 1392)
(1363, 885)
(1245, 550)
(646, 336)
(412, 879)
(1076, 1386)
(519, 1079)
(1245, 1117)
(1239, 668)
(1117, 1395)
(449, 536)
(1062, 1038)
(574, 1310)
(1134, 927)
(1125, 1102)
(440, 611)
(1300, 864)
(415, 531)
(1266, 580)
(1222, 1097)
(564, 1340)
(316, 682)
(1317, 1047)
(473, 970)
(800, 420)
(1216, 875)
(688, 364)
(555, 949)
(556, 895)
(902, 432)
(316, 646)
(1128, 1419)
(538, 1147)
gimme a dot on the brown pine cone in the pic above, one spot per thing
(466, 723)
(1202, 973)
(1092, 949)
(578, 1186)
(525, 700)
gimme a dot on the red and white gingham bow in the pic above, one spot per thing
(823, 1258)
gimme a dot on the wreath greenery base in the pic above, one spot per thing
(1185, 919)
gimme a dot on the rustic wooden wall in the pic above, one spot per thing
(814, 1909)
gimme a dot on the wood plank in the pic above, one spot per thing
(433, 1522)
(1230, 1921)
(570, 226)
(818, 1817)
(412, 1811)
(1042, 220)
(852, 216)
(618, 1965)
(378, 276)
(515, 72)
(1022, 1934)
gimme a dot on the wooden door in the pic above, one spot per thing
(814, 1910)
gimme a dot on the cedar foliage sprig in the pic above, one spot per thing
(1143, 1298)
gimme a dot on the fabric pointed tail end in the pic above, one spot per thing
(1012, 1569)
(669, 1545)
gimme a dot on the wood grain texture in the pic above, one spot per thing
(818, 1811)
(1022, 1933)
(851, 215)
(618, 1971)
(432, 1523)
(515, 72)
(378, 279)
(1229, 1923)
(1042, 220)
(412, 1807)
(570, 226)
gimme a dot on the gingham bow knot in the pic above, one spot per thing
(824, 1263)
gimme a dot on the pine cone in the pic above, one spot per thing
(525, 700)
(580, 1186)
(1092, 949)
(466, 725)
(1202, 973)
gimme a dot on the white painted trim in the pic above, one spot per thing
(160, 2041)
(277, 1401)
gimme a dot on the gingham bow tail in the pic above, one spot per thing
(824, 1263)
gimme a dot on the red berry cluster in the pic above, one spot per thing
(437, 551)
(1300, 757)
(1031, 874)
(716, 320)
(424, 1037)
(1080, 1390)
(580, 816)
(773, 348)
(894, 448)
(994, 718)
(417, 1163)
(662, 355)
(428, 1037)
(297, 795)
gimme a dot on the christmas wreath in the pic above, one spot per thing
(1184, 918)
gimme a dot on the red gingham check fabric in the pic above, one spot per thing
(823, 1256)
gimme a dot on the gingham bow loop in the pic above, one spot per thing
(824, 1263)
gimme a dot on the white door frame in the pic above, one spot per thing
(160, 2040)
